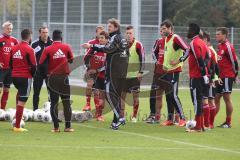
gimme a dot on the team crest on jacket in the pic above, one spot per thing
(59, 54)
(18, 55)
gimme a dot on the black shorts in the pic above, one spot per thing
(23, 86)
(5, 78)
(201, 87)
(212, 92)
(226, 87)
(99, 84)
(131, 85)
(160, 82)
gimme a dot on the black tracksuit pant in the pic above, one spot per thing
(114, 88)
(173, 101)
(58, 86)
(37, 86)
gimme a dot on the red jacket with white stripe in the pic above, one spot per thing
(58, 55)
(197, 55)
(7, 42)
(23, 60)
(227, 60)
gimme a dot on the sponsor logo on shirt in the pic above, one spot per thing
(59, 54)
(6, 49)
(37, 49)
(18, 55)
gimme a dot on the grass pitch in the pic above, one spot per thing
(135, 141)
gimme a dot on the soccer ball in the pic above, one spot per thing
(80, 117)
(83, 116)
(46, 106)
(47, 117)
(38, 115)
(190, 124)
(25, 116)
(10, 114)
(22, 123)
(74, 115)
(30, 114)
(2, 114)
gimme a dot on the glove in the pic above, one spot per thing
(206, 79)
(2, 44)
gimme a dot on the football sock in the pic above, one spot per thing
(212, 114)
(19, 113)
(206, 114)
(228, 120)
(4, 99)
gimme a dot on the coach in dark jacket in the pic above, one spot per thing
(38, 46)
(116, 67)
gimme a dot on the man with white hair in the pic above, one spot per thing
(6, 43)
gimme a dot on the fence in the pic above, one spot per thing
(78, 19)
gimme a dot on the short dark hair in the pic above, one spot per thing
(42, 27)
(167, 23)
(206, 35)
(114, 22)
(57, 35)
(105, 34)
(194, 28)
(129, 27)
(25, 34)
(223, 30)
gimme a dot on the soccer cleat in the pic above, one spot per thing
(182, 123)
(167, 123)
(122, 121)
(225, 125)
(114, 126)
(194, 130)
(68, 130)
(134, 119)
(100, 118)
(150, 119)
(211, 126)
(207, 129)
(87, 108)
(19, 129)
(55, 130)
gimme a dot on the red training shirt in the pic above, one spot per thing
(5, 50)
(22, 59)
(58, 56)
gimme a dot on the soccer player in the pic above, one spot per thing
(174, 48)
(210, 112)
(158, 56)
(58, 55)
(116, 67)
(23, 63)
(228, 71)
(90, 81)
(134, 74)
(41, 74)
(6, 43)
(198, 74)
(95, 63)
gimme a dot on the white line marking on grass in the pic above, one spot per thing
(166, 139)
(96, 147)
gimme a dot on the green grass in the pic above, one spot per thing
(94, 140)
